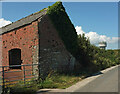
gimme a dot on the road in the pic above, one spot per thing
(107, 82)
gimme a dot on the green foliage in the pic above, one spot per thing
(89, 56)
(64, 26)
(30, 87)
(52, 81)
(59, 81)
(106, 58)
(94, 58)
(85, 50)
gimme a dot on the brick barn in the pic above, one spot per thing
(34, 40)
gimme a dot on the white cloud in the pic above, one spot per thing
(79, 30)
(4, 22)
(95, 38)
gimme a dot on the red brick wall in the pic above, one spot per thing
(24, 38)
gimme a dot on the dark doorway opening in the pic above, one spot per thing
(15, 58)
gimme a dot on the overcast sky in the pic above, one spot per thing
(98, 21)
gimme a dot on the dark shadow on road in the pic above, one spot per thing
(95, 74)
(99, 73)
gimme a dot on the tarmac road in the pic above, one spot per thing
(107, 82)
(104, 82)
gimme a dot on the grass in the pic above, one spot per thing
(60, 81)
(18, 88)
(53, 80)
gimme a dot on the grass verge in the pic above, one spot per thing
(60, 81)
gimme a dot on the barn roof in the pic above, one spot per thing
(23, 21)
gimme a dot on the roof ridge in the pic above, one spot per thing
(23, 21)
(26, 17)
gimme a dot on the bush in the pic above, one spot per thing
(95, 58)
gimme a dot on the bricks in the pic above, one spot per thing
(20, 38)
(39, 43)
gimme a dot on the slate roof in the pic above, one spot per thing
(24, 21)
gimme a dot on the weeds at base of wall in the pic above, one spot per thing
(55, 80)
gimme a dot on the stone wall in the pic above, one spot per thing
(53, 54)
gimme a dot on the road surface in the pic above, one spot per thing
(107, 82)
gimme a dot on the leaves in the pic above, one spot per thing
(79, 46)
(64, 26)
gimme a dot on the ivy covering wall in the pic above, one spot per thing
(64, 26)
(88, 55)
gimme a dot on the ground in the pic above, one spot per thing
(105, 81)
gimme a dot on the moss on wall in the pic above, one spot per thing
(64, 26)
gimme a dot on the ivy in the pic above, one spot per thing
(79, 46)
(64, 26)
